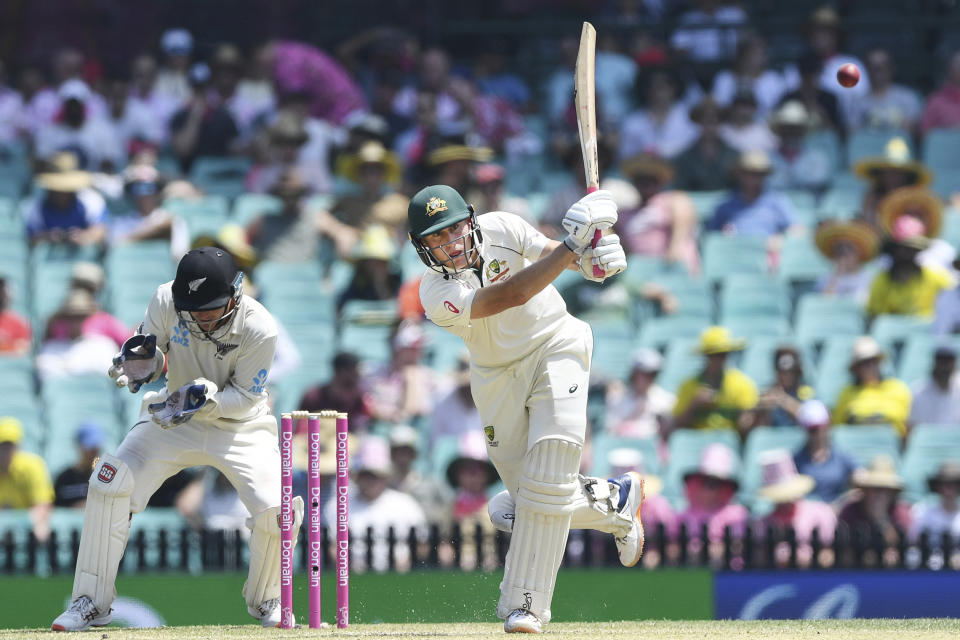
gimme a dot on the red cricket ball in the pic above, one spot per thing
(848, 75)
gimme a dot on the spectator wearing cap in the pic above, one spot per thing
(455, 412)
(872, 398)
(943, 105)
(403, 389)
(375, 273)
(752, 209)
(69, 211)
(874, 504)
(453, 162)
(281, 147)
(345, 390)
(90, 137)
(751, 73)
(887, 105)
(662, 126)
(44, 103)
(70, 486)
(849, 246)
(24, 478)
(908, 219)
(15, 331)
(204, 126)
(375, 506)
(147, 218)
(787, 490)
(665, 225)
(822, 105)
(471, 475)
(742, 129)
(797, 164)
(829, 467)
(172, 83)
(824, 33)
(710, 490)
(941, 516)
(885, 174)
(706, 164)
(86, 284)
(936, 400)
(641, 408)
(779, 405)
(719, 397)
(374, 172)
(291, 234)
(435, 497)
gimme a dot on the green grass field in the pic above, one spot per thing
(922, 629)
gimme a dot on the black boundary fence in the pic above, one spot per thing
(478, 548)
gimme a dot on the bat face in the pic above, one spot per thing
(585, 102)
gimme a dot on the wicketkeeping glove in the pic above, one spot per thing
(608, 255)
(594, 211)
(137, 363)
(180, 406)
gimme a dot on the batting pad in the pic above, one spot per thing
(548, 487)
(106, 527)
(263, 577)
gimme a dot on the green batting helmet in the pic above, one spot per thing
(434, 208)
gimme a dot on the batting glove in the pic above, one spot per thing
(594, 211)
(181, 405)
(608, 255)
(137, 363)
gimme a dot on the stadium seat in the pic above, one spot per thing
(681, 361)
(893, 330)
(150, 522)
(657, 332)
(832, 371)
(927, 447)
(940, 149)
(727, 255)
(753, 295)
(801, 261)
(247, 207)
(827, 141)
(916, 357)
(369, 312)
(840, 203)
(220, 176)
(443, 348)
(693, 295)
(603, 444)
(866, 442)
(864, 143)
(759, 325)
(370, 343)
(685, 448)
(613, 347)
(706, 202)
(819, 317)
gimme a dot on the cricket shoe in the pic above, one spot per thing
(267, 612)
(80, 616)
(522, 621)
(630, 546)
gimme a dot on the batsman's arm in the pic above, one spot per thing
(528, 282)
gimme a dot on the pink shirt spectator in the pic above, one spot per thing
(943, 109)
(656, 510)
(734, 516)
(99, 323)
(805, 516)
(649, 230)
(301, 68)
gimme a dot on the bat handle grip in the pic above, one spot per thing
(597, 271)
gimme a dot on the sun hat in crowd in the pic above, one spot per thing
(647, 360)
(896, 156)
(471, 448)
(645, 165)
(781, 483)
(754, 161)
(791, 113)
(11, 430)
(62, 174)
(373, 456)
(859, 236)
(372, 152)
(865, 348)
(881, 474)
(623, 459)
(403, 435)
(176, 42)
(452, 152)
(911, 202)
(813, 414)
(74, 90)
(717, 462)
(717, 340)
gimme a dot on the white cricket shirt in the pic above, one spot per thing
(239, 365)
(509, 244)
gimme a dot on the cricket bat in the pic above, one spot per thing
(584, 98)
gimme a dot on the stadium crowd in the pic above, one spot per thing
(781, 352)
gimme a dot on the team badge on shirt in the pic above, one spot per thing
(496, 269)
(491, 434)
(436, 205)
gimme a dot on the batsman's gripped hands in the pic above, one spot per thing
(608, 255)
(594, 211)
(136, 363)
(182, 404)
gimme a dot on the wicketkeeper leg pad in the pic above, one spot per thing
(106, 527)
(263, 577)
(545, 500)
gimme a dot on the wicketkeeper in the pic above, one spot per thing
(489, 282)
(219, 345)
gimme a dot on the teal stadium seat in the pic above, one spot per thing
(801, 261)
(150, 522)
(916, 358)
(681, 361)
(220, 176)
(603, 444)
(759, 440)
(820, 317)
(940, 149)
(247, 207)
(657, 332)
(706, 202)
(865, 143)
(928, 446)
(693, 295)
(866, 442)
(893, 330)
(685, 449)
(613, 348)
(727, 255)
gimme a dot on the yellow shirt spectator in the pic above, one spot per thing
(26, 483)
(884, 402)
(916, 296)
(737, 393)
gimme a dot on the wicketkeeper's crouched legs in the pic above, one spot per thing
(263, 578)
(106, 527)
(547, 488)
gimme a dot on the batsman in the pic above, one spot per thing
(217, 345)
(489, 282)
